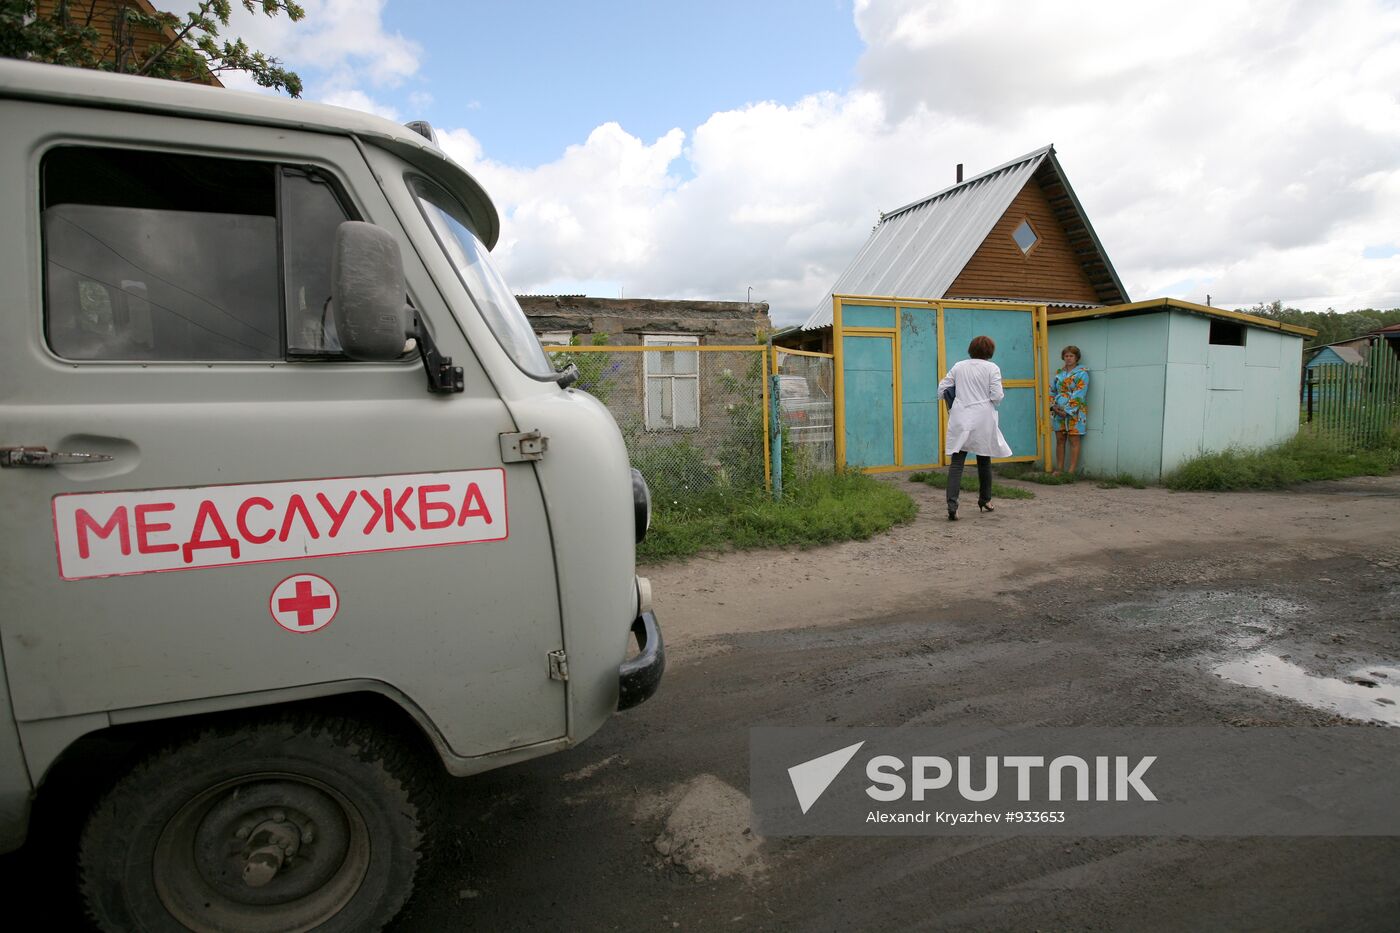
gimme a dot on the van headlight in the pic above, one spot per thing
(641, 504)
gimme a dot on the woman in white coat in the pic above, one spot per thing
(972, 421)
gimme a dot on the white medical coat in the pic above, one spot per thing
(972, 423)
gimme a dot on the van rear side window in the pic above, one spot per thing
(159, 256)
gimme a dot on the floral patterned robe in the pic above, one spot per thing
(1068, 392)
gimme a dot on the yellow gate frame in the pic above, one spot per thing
(1040, 382)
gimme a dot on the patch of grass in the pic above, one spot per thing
(823, 509)
(1307, 456)
(969, 484)
(1122, 479)
(1030, 473)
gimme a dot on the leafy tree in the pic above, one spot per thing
(190, 48)
(1331, 326)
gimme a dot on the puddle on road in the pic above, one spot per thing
(1369, 694)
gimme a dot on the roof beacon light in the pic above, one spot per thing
(425, 129)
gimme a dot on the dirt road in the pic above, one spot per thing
(1082, 607)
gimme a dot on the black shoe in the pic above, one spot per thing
(986, 506)
(952, 513)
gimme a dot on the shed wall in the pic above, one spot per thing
(1126, 360)
(1220, 397)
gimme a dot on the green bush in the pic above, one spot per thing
(1309, 455)
(818, 510)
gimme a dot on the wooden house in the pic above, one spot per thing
(1016, 233)
(120, 41)
(1011, 254)
(995, 254)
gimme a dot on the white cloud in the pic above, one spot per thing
(356, 99)
(340, 49)
(1249, 148)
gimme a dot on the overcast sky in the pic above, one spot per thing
(1246, 150)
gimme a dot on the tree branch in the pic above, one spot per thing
(160, 53)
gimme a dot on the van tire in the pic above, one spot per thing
(280, 824)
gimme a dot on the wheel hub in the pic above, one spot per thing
(259, 847)
(271, 844)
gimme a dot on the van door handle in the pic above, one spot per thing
(43, 457)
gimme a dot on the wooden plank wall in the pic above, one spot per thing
(1051, 271)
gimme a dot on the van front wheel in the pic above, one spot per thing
(287, 824)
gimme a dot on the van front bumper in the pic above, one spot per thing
(638, 678)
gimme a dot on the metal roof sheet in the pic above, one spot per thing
(919, 249)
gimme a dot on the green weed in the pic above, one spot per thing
(969, 484)
(1308, 456)
(1122, 479)
(1031, 473)
(822, 509)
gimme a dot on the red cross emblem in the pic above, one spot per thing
(304, 602)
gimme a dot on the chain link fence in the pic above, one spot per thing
(806, 389)
(694, 417)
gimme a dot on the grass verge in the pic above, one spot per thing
(1122, 479)
(1307, 456)
(1030, 473)
(969, 484)
(821, 510)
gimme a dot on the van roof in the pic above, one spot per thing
(83, 87)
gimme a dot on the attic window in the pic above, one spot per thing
(1226, 333)
(1024, 235)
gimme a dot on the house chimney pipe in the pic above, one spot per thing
(959, 173)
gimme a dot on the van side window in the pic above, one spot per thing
(158, 256)
(154, 256)
(311, 213)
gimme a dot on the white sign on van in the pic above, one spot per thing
(109, 534)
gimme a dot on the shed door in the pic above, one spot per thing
(868, 369)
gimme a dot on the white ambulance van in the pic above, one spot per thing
(291, 501)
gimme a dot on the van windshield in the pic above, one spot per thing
(482, 280)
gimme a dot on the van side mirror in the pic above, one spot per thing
(372, 317)
(367, 292)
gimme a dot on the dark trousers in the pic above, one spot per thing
(984, 478)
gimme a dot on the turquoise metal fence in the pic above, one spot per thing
(1358, 405)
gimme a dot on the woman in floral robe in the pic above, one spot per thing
(1068, 391)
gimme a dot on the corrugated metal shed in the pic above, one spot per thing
(918, 250)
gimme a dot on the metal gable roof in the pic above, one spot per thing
(1346, 355)
(919, 250)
